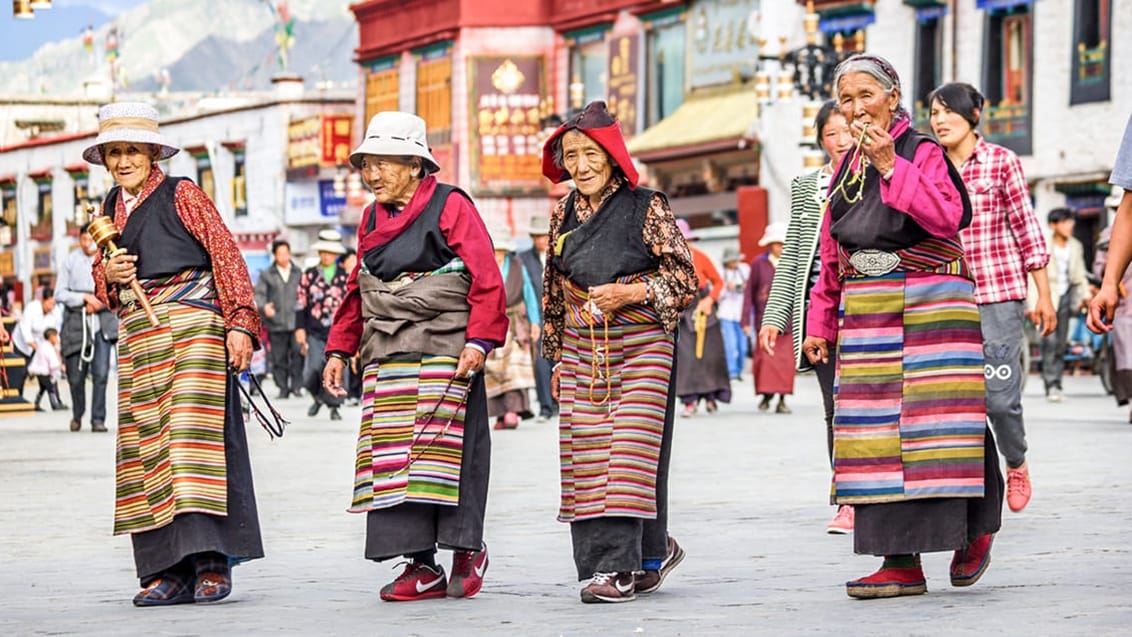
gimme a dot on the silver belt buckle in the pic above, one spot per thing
(872, 262)
(126, 298)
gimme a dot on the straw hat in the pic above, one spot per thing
(128, 122)
(539, 224)
(732, 254)
(686, 230)
(396, 134)
(775, 233)
(329, 241)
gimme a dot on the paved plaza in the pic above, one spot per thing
(747, 503)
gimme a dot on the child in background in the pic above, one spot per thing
(47, 366)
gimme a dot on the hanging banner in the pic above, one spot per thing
(623, 81)
(506, 153)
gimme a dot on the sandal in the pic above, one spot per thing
(164, 590)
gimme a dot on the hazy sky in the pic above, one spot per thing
(112, 7)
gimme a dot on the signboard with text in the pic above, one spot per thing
(506, 154)
(319, 140)
(623, 81)
(722, 41)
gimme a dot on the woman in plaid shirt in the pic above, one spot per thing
(1003, 243)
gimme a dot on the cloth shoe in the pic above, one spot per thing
(969, 563)
(213, 578)
(165, 590)
(646, 582)
(689, 410)
(312, 411)
(889, 581)
(468, 568)
(1018, 487)
(76, 425)
(335, 414)
(842, 523)
(417, 581)
(97, 427)
(764, 404)
(781, 408)
(609, 588)
(1054, 395)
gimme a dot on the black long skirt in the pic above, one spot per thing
(236, 535)
(933, 524)
(706, 377)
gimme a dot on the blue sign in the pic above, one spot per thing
(1001, 4)
(330, 205)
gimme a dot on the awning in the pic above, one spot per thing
(700, 125)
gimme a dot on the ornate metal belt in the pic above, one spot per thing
(871, 262)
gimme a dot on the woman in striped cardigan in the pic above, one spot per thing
(798, 271)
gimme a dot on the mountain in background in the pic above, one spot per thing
(208, 46)
(21, 36)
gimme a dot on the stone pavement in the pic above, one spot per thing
(748, 505)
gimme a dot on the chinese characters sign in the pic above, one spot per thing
(321, 140)
(722, 40)
(623, 63)
(506, 154)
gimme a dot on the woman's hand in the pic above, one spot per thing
(239, 350)
(332, 376)
(816, 349)
(878, 146)
(768, 336)
(1102, 308)
(613, 296)
(471, 361)
(121, 268)
(705, 306)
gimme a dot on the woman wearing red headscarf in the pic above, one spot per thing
(618, 276)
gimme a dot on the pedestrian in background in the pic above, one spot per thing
(534, 261)
(912, 450)
(1002, 244)
(321, 290)
(508, 372)
(730, 311)
(90, 331)
(619, 275)
(178, 400)
(1070, 286)
(47, 367)
(773, 374)
(421, 311)
(701, 375)
(276, 295)
(38, 315)
(798, 270)
(1121, 322)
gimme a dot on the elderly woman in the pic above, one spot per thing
(422, 308)
(798, 269)
(911, 446)
(702, 373)
(773, 374)
(178, 402)
(618, 276)
(508, 372)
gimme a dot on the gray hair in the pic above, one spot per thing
(557, 154)
(875, 67)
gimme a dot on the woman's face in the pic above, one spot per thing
(587, 162)
(949, 127)
(836, 138)
(129, 164)
(391, 180)
(863, 99)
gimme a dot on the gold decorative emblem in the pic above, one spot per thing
(507, 78)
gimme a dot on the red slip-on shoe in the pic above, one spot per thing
(889, 582)
(416, 582)
(970, 563)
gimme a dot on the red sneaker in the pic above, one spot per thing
(468, 568)
(1018, 487)
(417, 581)
(970, 563)
(889, 582)
(842, 523)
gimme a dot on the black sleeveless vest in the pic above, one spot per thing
(609, 244)
(154, 232)
(871, 224)
(421, 247)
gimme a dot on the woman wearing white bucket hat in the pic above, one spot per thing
(509, 371)
(773, 372)
(178, 404)
(422, 309)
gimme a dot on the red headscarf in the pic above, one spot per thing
(596, 122)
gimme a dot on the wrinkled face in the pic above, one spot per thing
(587, 162)
(282, 255)
(862, 98)
(391, 179)
(949, 127)
(836, 138)
(129, 164)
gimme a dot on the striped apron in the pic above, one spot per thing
(614, 383)
(911, 412)
(171, 393)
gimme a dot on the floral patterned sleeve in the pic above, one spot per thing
(233, 284)
(553, 293)
(675, 281)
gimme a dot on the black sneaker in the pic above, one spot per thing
(334, 415)
(313, 411)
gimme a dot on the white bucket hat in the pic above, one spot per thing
(501, 238)
(329, 241)
(397, 134)
(128, 122)
(775, 233)
(539, 225)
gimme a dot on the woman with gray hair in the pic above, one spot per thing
(911, 448)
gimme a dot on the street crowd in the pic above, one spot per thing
(904, 278)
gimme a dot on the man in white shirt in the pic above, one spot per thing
(1069, 286)
(730, 312)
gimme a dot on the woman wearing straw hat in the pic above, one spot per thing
(422, 309)
(735, 343)
(508, 371)
(774, 374)
(321, 290)
(184, 482)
